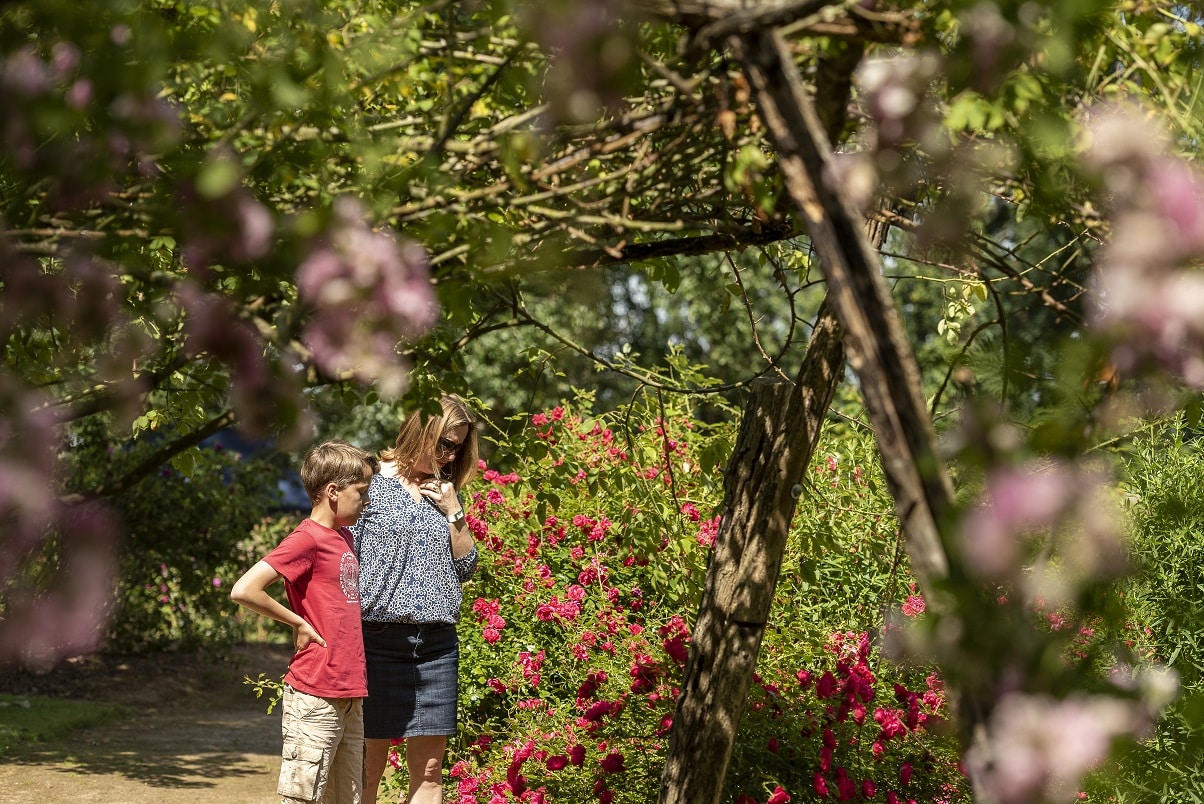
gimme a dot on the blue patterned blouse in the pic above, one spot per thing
(407, 573)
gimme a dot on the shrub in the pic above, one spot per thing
(186, 539)
(594, 544)
(1164, 599)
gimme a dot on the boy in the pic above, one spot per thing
(323, 720)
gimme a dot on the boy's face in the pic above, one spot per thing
(350, 500)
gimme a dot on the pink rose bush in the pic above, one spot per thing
(594, 543)
(576, 630)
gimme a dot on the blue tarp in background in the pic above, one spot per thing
(292, 491)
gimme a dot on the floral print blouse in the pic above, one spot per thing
(407, 573)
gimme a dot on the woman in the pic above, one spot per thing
(415, 550)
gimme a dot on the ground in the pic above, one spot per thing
(197, 732)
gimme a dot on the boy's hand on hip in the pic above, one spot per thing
(303, 634)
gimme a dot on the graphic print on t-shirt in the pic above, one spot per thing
(349, 577)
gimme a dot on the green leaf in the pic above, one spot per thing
(218, 177)
(185, 462)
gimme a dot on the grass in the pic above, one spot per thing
(27, 719)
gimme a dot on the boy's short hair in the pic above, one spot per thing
(334, 462)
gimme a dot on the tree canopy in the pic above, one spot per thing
(229, 213)
(174, 146)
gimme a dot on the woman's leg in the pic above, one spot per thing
(424, 759)
(376, 756)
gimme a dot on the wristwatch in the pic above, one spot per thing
(456, 518)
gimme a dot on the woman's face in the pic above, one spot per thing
(450, 442)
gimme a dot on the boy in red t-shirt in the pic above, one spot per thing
(323, 721)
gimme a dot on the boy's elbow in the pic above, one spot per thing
(246, 590)
(238, 593)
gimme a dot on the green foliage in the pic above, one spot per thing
(439, 119)
(431, 115)
(594, 534)
(1166, 599)
(264, 686)
(188, 537)
(614, 330)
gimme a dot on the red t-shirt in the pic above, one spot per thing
(322, 580)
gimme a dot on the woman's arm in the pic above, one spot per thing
(444, 495)
(462, 540)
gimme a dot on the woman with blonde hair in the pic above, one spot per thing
(415, 550)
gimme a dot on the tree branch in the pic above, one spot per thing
(156, 460)
(878, 349)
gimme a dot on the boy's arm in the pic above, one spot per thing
(251, 591)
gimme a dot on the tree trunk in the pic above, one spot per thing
(878, 350)
(762, 483)
(778, 436)
(874, 336)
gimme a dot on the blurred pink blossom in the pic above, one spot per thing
(369, 291)
(1048, 499)
(590, 47)
(25, 73)
(1148, 302)
(69, 617)
(28, 505)
(989, 36)
(1040, 746)
(1177, 195)
(265, 390)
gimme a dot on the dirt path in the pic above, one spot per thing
(197, 732)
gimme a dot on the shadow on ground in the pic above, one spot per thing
(175, 751)
(195, 731)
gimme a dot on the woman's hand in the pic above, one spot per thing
(442, 493)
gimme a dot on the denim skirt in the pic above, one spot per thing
(412, 671)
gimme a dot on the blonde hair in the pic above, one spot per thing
(334, 462)
(420, 432)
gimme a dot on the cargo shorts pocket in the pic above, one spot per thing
(300, 768)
